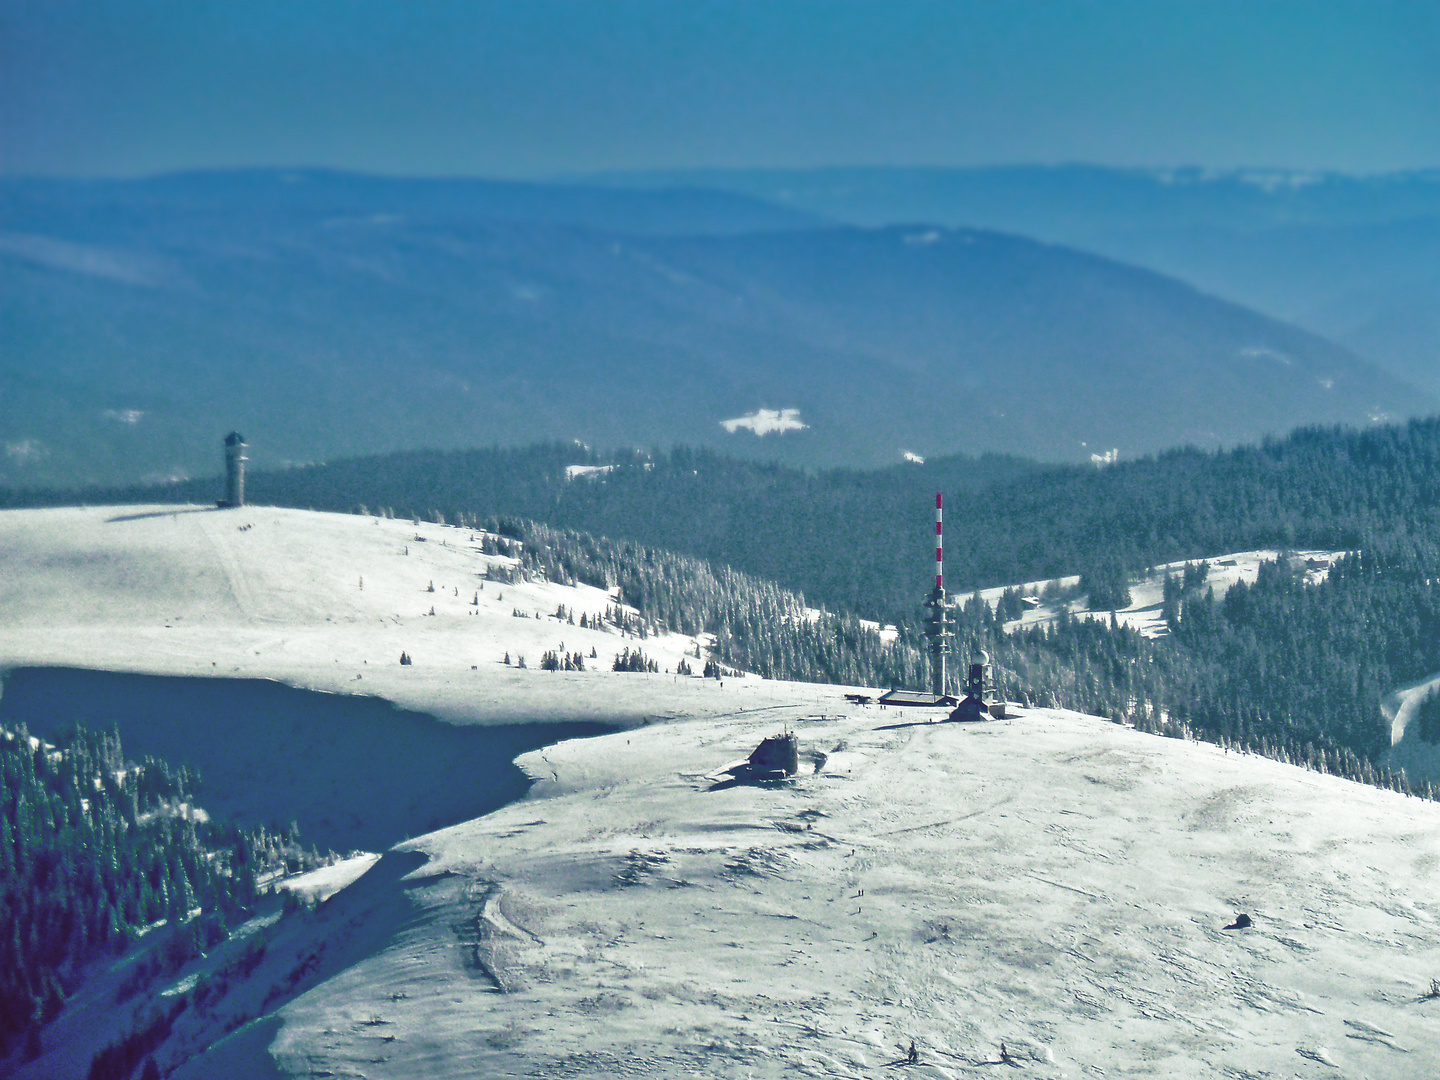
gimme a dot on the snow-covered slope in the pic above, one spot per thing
(1047, 893)
(1052, 883)
(325, 602)
(1148, 593)
(1408, 751)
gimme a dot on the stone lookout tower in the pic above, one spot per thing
(235, 447)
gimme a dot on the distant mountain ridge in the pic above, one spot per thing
(331, 195)
(328, 314)
(1353, 258)
(1069, 200)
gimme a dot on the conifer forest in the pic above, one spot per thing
(97, 851)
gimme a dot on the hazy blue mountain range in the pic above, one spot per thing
(1354, 258)
(1071, 201)
(1371, 286)
(327, 314)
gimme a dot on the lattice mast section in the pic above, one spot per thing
(937, 624)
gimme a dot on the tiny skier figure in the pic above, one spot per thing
(912, 1056)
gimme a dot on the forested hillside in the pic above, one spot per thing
(95, 850)
(1355, 258)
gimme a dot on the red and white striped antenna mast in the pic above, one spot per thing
(939, 541)
(936, 624)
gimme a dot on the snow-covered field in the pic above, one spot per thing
(1046, 894)
(1052, 883)
(1147, 594)
(326, 602)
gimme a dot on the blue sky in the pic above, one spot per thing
(543, 87)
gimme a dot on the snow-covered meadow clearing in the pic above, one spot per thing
(1052, 883)
(1148, 593)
